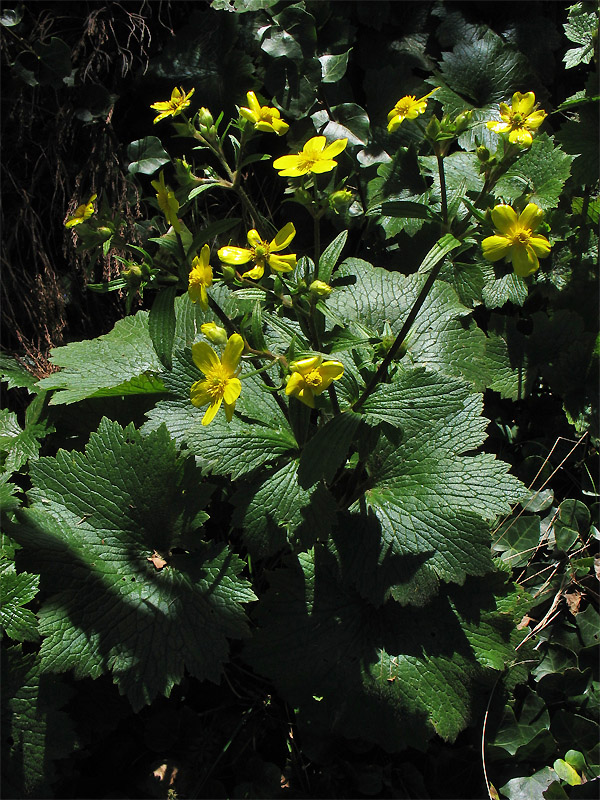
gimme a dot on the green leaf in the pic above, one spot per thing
(582, 28)
(16, 591)
(429, 501)
(513, 734)
(345, 121)
(326, 451)
(331, 255)
(275, 511)
(393, 675)
(580, 137)
(517, 540)
(10, 17)
(146, 155)
(15, 374)
(104, 515)
(161, 324)
(120, 362)
(509, 288)
(18, 446)
(35, 732)
(540, 174)
(437, 340)
(483, 70)
(566, 772)
(333, 67)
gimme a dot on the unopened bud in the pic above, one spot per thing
(205, 118)
(132, 275)
(483, 154)
(461, 122)
(214, 333)
(320, 289)
(340, 200)
(433, 128)
(227, 272)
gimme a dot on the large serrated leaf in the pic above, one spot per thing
(437, 340)
(35, 731)
(392, 675)
(15, 592)
(120, 362)
(161, 324)
(275, 511)
(326, 451)
(429, 501)
(100, 533)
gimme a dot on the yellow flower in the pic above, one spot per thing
(519, 120)
(221, 384)
(171, 108)
(82, 213)
(515, 239)
(201, 276)
(261, 253)
(167, 202)
(311, 376)
(264, 118)
(407, 108)
(314, 157)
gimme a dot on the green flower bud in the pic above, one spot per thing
(214, 333)
(227, 272)
(483, 154)
(320, 289)
(340, 200)
(132, 275)
(461, 122)
(205, 118)
(433, 128)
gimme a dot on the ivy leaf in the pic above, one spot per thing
(346, 121)
(15, 592)
(100, 533)
(119, 363)
(437, 340)
(513, 734)
(333, 67)
(540, 173)
(393, 675)
(35, 731)
(146, 155)
(429, 502)
(275, 511)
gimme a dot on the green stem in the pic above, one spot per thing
(317, 231)
(381, 372)
(440, 163)
(218, 311)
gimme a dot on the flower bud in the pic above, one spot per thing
(433, 128)
(132, 275)
(461, 122)
(227, 273)
(320, 289)
(205, 118)
(214, 333)
(483, 154)
(340, 200)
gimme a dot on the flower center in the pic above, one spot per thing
(216, 382)
(521, 237)
(313, 378)
(265, 115)
(306, 162)
(404, 105)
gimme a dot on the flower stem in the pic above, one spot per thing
(440, 163)
(408, 322)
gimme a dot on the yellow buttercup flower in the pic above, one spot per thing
(519, 120)
(82, 213)
(171, 108)
(264, 118)
(316, 156)
(201, 276)
(221, 384)
(311, 376)
(407, 107)
(515, 239)
(167, 202)
(262, 253)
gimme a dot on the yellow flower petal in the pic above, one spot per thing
(520, 136)
(334, 149)
(282, 263)
(540, 246)
(531, 216)
(211, 411)
(254, 274)
(253, 238)
(504, 218)
(204, 357)
(523, 103)
(283, 237)
(305, 365)
(495, 247)
(524, 261)
(199, 394)
(234, 255)
(233, 352)
(232, 391)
